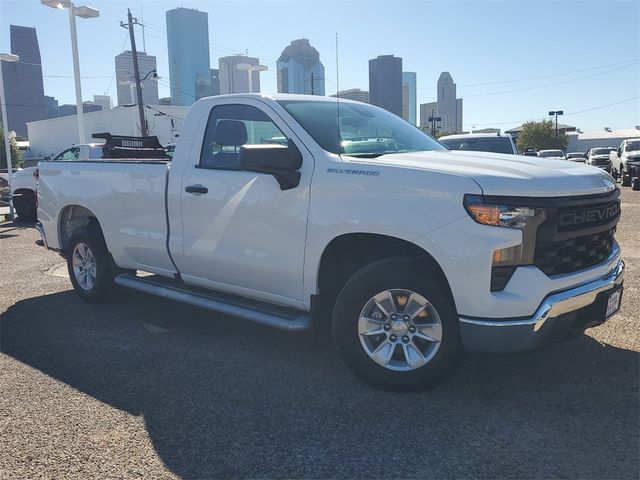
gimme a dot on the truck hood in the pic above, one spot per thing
(632, 154)
(512, 175)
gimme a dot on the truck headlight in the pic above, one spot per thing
(500, 215)
(500, 212)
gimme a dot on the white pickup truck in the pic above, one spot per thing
(289, 210)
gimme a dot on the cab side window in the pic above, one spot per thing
(68, 155)
(230, 127)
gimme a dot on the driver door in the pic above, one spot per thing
(241, 233)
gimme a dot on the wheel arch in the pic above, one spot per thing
(72, 218)
(348, 253)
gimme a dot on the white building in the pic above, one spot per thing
(47, 137)
(125, 78)
(582, 141)
(353, 94)
(233, 80)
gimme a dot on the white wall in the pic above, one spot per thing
(47, 137)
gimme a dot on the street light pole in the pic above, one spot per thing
(76, 74)
(250, 69)
(7, 57)
(83, 11)
(433, 119)
(556, 113)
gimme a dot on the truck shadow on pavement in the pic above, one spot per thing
(225, 398)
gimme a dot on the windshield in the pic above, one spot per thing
(635, 145)
(574, 155)
(551, 153)
(486, 144)
(601, 151)
(363, 130)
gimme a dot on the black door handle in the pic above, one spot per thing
(196, 189)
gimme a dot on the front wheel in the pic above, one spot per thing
(89, 265)
(395, 326)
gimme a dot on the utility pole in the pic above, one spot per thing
(136, 72)
(433, 119)
(312, 91)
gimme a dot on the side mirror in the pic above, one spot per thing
(619, 152)
(46, 159)
(277, 160)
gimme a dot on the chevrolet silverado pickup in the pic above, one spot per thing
(627, 155)
(297, 211)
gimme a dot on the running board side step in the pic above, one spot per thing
(277, 317)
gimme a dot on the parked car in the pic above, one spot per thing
(627, 153)
(480, 142)
(556, 154)
(530, 152)
(576, 157)
(24, 180)
(599, 157)
(412, 252)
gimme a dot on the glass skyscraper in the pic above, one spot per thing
(188, 45)
(300, 69)
(23, 84)
(409, 97)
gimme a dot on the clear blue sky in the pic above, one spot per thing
(481, 42)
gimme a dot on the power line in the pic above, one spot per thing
(538, 77)
(599, 107)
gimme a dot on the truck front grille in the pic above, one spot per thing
(573, 254)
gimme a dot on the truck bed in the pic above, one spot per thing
(128, 195)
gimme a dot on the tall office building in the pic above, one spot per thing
(300, 69)
(103, 100)
(409, 97)
(215, 81)
(23, 84)
(448, 107)
(52, 107)
(385, 83)
(233, 80)
(353, 94)
(126, 79)
(71, 109)
(188, 45)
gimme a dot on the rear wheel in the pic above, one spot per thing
(395, 327)
(626, 179)
(25, 206)
(89, 265)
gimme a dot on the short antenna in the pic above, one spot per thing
(338, 94)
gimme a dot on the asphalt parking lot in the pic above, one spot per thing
(143, 387)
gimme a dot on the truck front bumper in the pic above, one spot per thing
(561, 315)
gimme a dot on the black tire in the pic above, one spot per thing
(635, 183)
(626, 180)
(389, 274)
(103, 286)
(26, 208)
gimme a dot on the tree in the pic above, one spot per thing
(16, 154)
(443, 133)
(541, 136)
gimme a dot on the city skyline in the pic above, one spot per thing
(511, 84)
